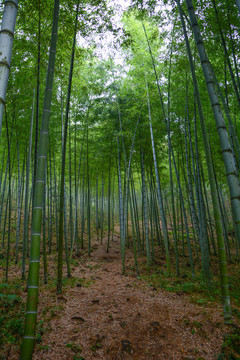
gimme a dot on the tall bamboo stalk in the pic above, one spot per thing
(34, 261)
(6, 43)
(26, 218)
(60, 234)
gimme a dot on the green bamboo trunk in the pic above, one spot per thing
(34, 261)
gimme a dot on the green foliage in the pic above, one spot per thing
(40, 331)
(85, 282)
(45, 348)
(74, 347)
(97, 345)
(236, 312)
(43, 327)
(199, 290)
(230, 346)
(11, 314)
(51, 311)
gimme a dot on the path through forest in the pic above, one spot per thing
(122, 317)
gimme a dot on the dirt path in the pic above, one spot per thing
(121, 317)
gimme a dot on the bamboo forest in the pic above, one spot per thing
(119, 179)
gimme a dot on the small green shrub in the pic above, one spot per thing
(230, 346)
(74, 347)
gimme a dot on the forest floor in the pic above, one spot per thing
(102, 314)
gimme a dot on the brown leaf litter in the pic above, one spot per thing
(121, 318)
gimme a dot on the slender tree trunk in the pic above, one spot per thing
(37, 95)
(9, 196)
(121, 214)
(134, 239)
(97, 221)
(34, 261)
(70, 188)
(145, 216)
(55, 200)
(44, 242)
(3, 191)
(6, 43)
(26, 217)
(60, 234)
(113, 207)
(83, 204)
(109, 204)
(88, 199)
(102, 213)
(18, 206)
(65, 232)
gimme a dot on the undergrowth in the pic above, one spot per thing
(230, 346)
(199, 291)
(12, 308)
